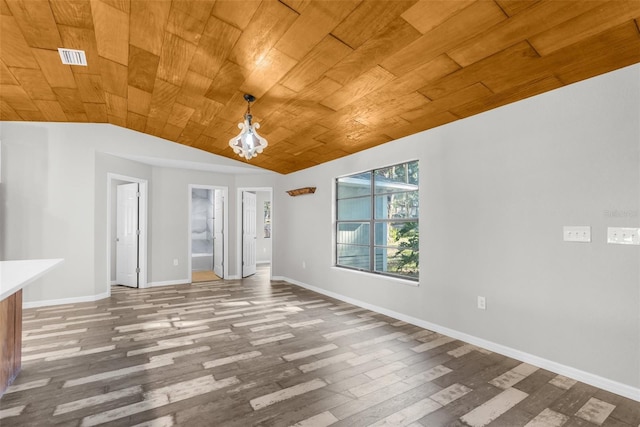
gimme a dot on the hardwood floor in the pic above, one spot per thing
(254, 352)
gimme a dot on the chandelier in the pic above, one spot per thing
(248, 143)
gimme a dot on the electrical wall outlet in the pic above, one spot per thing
(482, 303)
(580, 234)
(175, 261)
(623, 236)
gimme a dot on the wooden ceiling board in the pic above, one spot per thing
(368, 19)
(111, 27)
(82, 39)
(69, 100)
(194, 88)
(609, 14)
(35, 19)
(188, 27)
(34, 83)
(425, 15)
(51, 110)
(214, 47)
(142, 69)
(154, 15)
(55, 72)
(73, 13)
(197, 9)
(331, 77)
(174, 59)
(114, 77)
(136, 121)
(463, 26)
(594, 55)
(238, 14)
(512, 7)
(18, 98)
(4, 9)
(121, 5)
(15, 51)
(90, 87)
(366, 83)
(138, 101)
(314, 23)
(6, 78)
(267, 73)
(226, 82)
(269, 23)
(31, 116)
(96, 113)
(494, 100)
(545, 15)
(316, 63)
(180, 115)
(205, 112)
(8, 113)
(396, 35)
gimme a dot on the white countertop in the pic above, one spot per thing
(15, 275)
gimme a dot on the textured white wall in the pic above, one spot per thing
(55, 201)
(495, 191)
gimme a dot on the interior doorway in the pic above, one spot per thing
(255, 230)
(126, 231)
(207, 237)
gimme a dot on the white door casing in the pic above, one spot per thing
(248, 233)
(127, 235)
(218, 233)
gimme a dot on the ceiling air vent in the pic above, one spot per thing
(72, 56)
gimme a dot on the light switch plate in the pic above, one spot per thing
(623, 236)
(580, 234)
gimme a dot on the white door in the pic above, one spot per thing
(218, 233)
(127, 235)
(248, 234)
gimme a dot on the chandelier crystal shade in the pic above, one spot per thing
(248, 143)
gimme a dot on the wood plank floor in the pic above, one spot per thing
(254, 352)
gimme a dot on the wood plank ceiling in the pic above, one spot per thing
(331, 77)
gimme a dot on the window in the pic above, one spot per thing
(377, 221)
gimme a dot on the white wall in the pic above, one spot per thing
(495, 191)
(55, 202)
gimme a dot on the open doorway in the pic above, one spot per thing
(126, 231)
(255, 230)
(207, 237)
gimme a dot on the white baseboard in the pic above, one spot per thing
(64, 301)
(113, 282)
(568, 371)
(168, 283)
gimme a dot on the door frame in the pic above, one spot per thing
(239, 226)
(225, 227)
(142, 225)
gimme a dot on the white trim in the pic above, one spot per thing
(169, 283)
(225, 228)
(113, 282)
(142, 224)
(64, 301)
(239, 226)
(372, 275)
(262, 262)
(234, 277)
(568, 371)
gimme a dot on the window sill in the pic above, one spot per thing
(407, 282)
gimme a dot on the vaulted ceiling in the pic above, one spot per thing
(331, 77)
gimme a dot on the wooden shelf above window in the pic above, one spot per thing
(301, 191)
